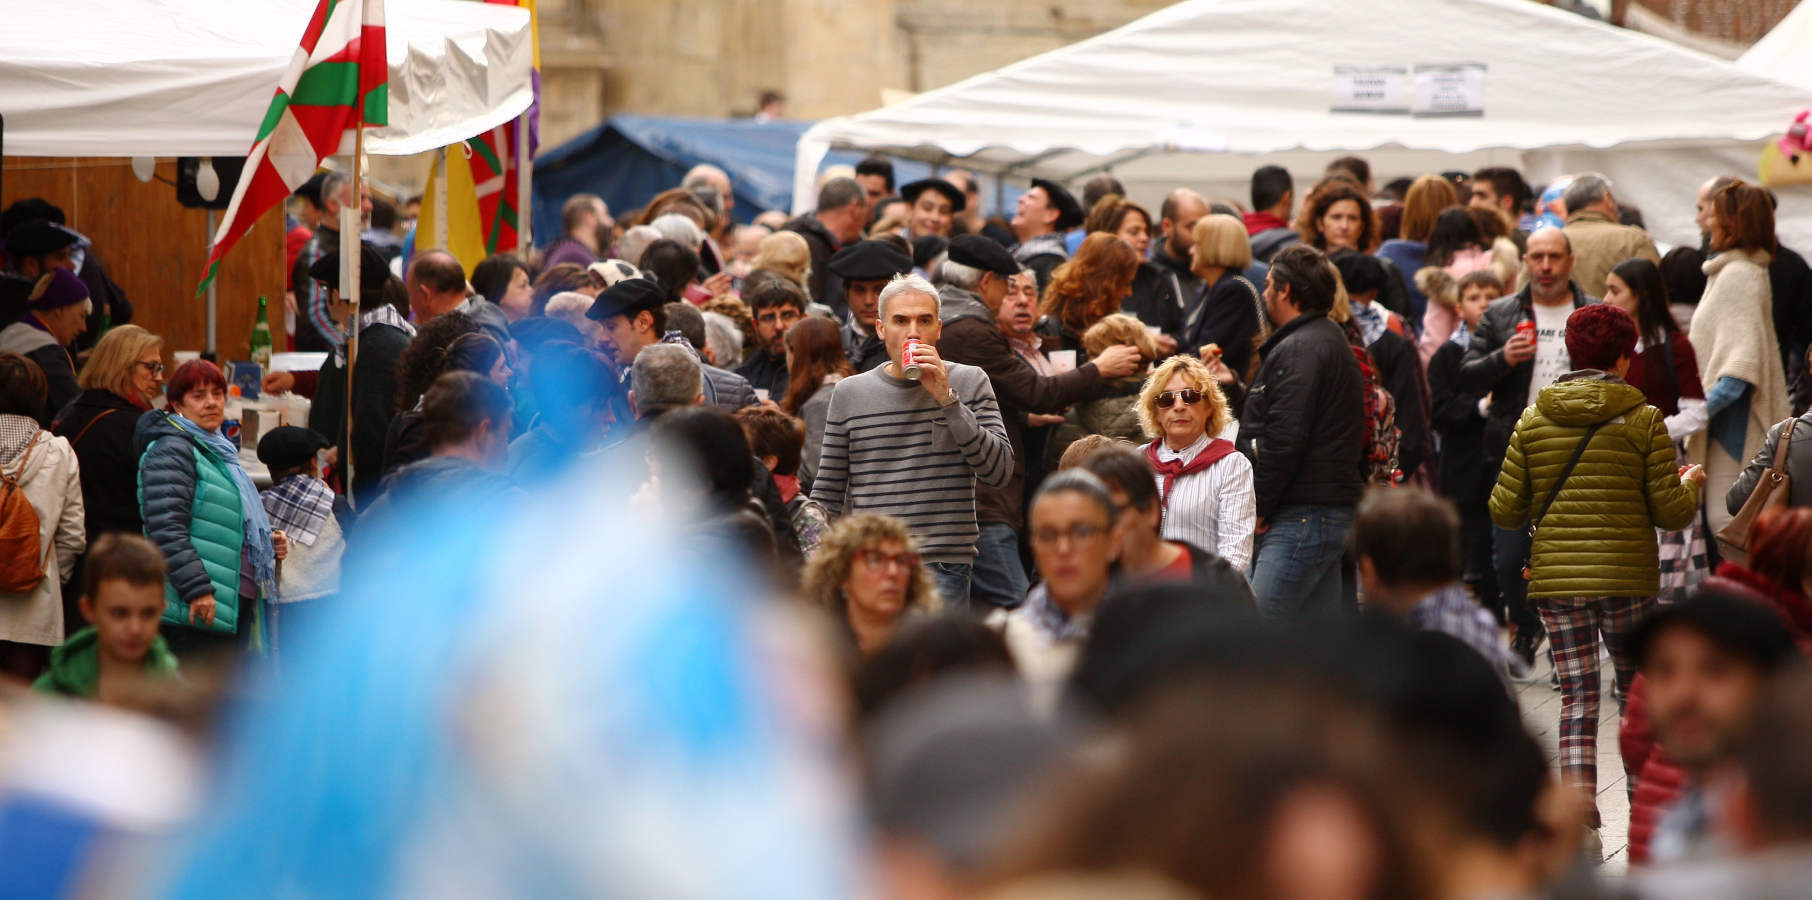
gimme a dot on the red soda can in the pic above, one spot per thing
(1526, 327)
(909, 364)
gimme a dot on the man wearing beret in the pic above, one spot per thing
(1045, 212)
(865, 268)
(384, 333)
(57, 311)
(315, 328)
(935, 203)
(631, 315)
(974, 283)
(32, 250)
(111, 307)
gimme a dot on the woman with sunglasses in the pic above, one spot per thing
(1204, 484)
(1075, 535)
(866, 573)
(122, 379)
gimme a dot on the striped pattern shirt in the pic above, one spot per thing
(1214, 509)
(889, 448)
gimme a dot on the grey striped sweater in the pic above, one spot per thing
(888, 448)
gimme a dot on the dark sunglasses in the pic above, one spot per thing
(1189, 396)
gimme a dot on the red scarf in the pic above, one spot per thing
(788, 485)
(1216, 450)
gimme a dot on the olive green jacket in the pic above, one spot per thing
(1598, 539)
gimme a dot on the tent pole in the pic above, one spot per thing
(525, 241)
(213, 291)
(349, 278)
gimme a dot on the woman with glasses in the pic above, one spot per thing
(866, 573)
(1204, 485)
(122, 379)
(1075, 542)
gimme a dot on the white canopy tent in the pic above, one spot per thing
(1201, 93)
(194, 77)
(1784, 53)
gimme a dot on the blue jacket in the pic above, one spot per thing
(192, 514)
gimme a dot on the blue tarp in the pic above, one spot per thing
(629, 159)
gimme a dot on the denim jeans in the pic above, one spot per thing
(1296, 564)
(998, 579)
(952, 580)
(1509, 550)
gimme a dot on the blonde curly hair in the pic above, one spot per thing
(1195, 373)
(828, 569)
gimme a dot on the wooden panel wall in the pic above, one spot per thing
(157, 250)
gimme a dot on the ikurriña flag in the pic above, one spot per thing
(337, 81)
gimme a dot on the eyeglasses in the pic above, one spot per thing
(1076, 534)
(1189, 396)
(875, 559)
(156, 368)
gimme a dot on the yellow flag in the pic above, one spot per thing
(458, 203)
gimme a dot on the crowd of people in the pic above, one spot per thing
(1194, 553)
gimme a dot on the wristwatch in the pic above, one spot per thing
(949, 398)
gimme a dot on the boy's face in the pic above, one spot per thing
(125, 617)
(1473, 301)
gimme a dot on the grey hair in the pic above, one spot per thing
(905, 284)
(958, 275)
(1078, 481)
(637, 239)
(332, 185)
(724, 339)
(838, 193)
(676, 227)
(569, 305)
(666, 375)
(1587, 188)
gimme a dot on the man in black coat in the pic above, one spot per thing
(837, 223)
(384, 333)
(1303, 427)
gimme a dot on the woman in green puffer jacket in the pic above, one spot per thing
(1595, 566)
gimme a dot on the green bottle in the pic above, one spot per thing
(261, 336)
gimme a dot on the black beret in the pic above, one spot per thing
(374, 270)
(27, 210)
(37, 238)
(1756, 632)
(868, 260)
(950, 191)
(926, 248)
(1069, 212)
(311, 189)
(287, 447)
(626, 298)
(984, 253)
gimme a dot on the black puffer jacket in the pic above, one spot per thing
(1304, 420)
(1486, 370)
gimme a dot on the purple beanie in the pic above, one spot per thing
(58, 289)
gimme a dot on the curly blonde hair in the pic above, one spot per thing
(784, 253)
(829, 566)
(1195, 373)
(1115, 329)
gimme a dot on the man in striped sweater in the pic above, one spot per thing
(915, 449)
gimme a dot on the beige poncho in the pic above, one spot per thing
(1733, 334)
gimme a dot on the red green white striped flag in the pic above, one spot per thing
(337, 81)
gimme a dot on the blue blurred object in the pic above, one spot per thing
(560, 696)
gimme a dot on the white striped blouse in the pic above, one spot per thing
(1214, 509)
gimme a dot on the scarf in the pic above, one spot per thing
(16, 433)
(1371, 322)
(1462, 335)
(299, 506)
(788, 485)
(385, 314)
(1216, 450)
(251, 508)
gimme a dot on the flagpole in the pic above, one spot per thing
(350, 257)
(524, 214)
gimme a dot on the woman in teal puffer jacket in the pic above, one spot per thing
(202, 510)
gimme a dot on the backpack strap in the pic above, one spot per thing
(84, 432)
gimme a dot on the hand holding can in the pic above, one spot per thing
(909, 365)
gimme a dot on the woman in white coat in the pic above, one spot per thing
(1733, 334)
(42, 470)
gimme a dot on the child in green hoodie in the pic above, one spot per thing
(123, 601)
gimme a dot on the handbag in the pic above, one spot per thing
(1579, 451)
(1770, 493)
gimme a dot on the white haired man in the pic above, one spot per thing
(915, 449)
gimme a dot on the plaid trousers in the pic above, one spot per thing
(1573, 625)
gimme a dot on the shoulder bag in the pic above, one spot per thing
(1579, 451)
(1770, 493)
